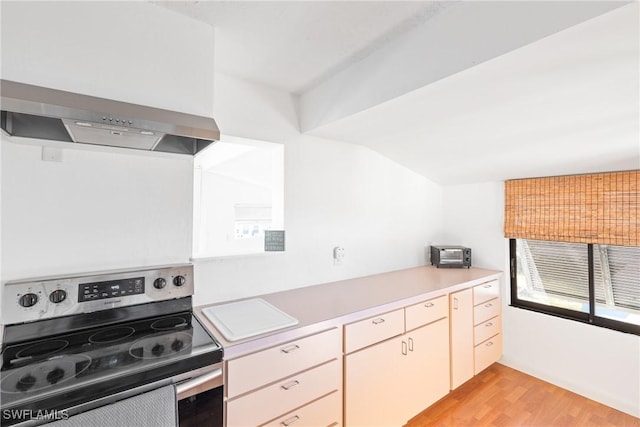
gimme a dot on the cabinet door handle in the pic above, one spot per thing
(410, 344)
(290, 348)
(488, 305)
(404, 348)
(487, 286)
(488, 324)
(290, 385)
(290, 421)
(489, 344)
(429, 304)
(377, 321)
(455, 303)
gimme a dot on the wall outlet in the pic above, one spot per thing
(338, 255)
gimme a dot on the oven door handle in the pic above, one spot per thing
(199, 384)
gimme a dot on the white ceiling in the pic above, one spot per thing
(567, 103)
(293, 45)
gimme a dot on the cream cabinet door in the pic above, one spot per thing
(393, 381)
(461, 305)
(374, 378)
(427, 367)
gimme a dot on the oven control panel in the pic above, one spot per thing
(111, 289)
(49, 297)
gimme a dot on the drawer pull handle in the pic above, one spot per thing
(377, 321)
(488, 305)
(429, 304)
(487, 286)
(488, 324)
(290, 421)
(290, 348)
(489, 344)
(290, 385)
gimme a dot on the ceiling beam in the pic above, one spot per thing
(462, 36)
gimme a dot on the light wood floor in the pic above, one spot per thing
(501, 396)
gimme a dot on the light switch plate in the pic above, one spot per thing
(338, 255)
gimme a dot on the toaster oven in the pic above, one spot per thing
(451, 256)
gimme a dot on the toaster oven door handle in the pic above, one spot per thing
(199, 384)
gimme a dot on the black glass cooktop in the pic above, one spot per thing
(69, 369)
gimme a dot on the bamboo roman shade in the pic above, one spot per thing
(597, 208)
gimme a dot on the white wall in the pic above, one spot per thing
(100, 207)
(93, 210)
(130, 51)
(598, 363)
(335, 194)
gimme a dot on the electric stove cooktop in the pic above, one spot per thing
(94, 363)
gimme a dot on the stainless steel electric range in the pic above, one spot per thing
(73, 344)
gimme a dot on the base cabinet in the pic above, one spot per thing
(376, 372)
(390, 382)
(296, 383)
(476, 339)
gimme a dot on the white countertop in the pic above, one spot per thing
(321, 307)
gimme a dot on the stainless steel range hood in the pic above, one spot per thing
(43, 113)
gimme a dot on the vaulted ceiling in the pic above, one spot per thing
(458, 91)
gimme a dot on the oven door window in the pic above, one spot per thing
(203, 409)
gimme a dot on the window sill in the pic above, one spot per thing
(234, 256)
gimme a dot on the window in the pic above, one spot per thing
(594, 283)
(238, 194)
(575, 246)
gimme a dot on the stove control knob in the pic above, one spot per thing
(28, 300)
(177, 345)
(157, 349)
(159, 283)
(57, 296)
(179, 280)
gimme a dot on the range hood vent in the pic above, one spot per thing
(43, 113)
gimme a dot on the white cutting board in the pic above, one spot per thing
(244, 319)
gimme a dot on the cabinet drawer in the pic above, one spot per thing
(426, 312)
(487, 353)
(272, 401)
(486, 329)
(255, 370)
(485, 292)
(372, 330)
(324, 412)
(486, 311)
